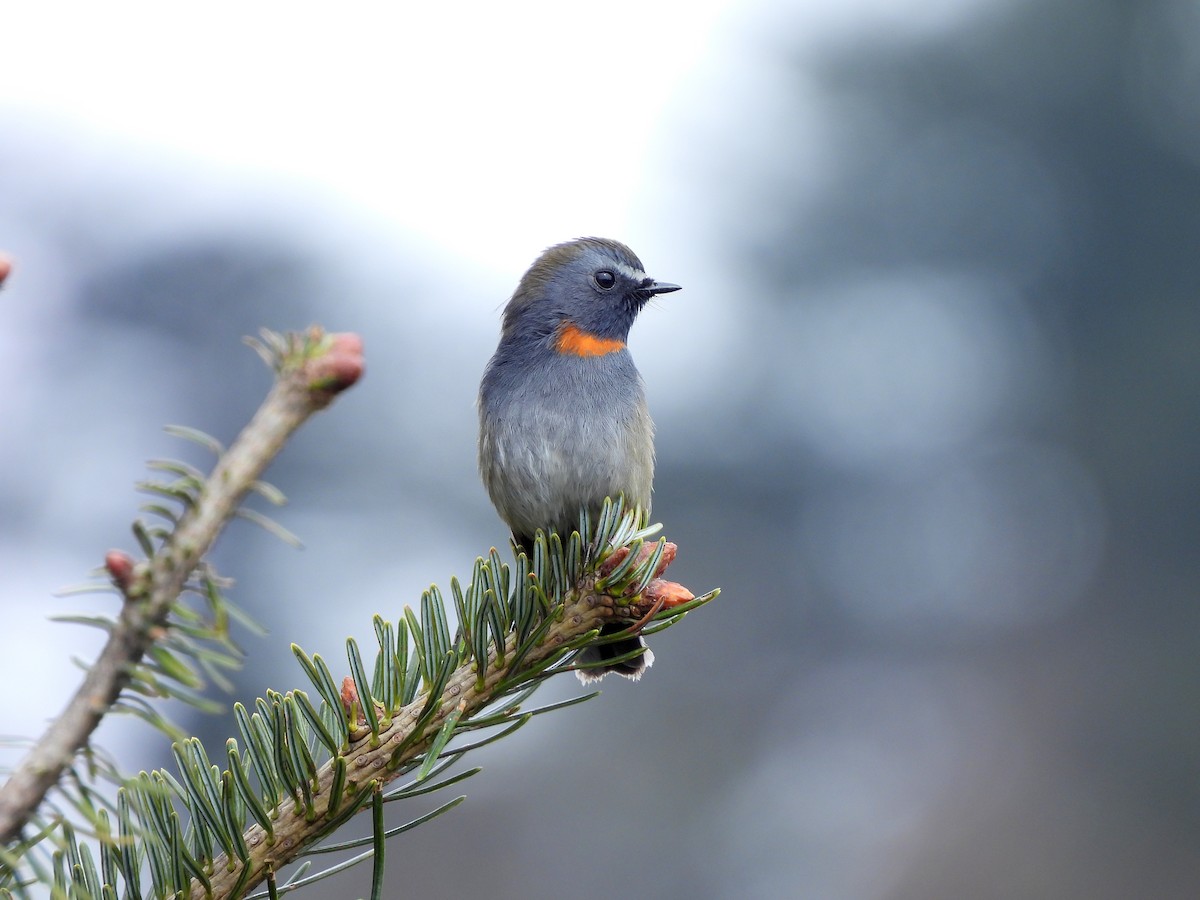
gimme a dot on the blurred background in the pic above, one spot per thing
(927, 405)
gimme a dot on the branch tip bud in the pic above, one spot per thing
(120, 568)
(669, 592)
(340, 367)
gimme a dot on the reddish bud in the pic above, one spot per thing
(347, 342)
(340, 366)
(618, 556)
(120, 568)
(668, 557)
(666, 594)
(349, 695)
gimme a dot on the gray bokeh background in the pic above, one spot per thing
(927, 412)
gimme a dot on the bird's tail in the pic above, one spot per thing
(629, 668)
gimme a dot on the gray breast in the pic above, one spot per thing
(562, 435)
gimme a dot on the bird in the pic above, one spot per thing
(563, 421)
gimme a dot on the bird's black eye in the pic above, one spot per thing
(605, 280)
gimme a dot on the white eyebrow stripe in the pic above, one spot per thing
(630, 272)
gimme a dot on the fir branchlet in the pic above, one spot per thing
(311, 369)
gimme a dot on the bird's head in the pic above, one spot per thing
(584, 294)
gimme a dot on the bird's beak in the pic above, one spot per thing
(661, 287)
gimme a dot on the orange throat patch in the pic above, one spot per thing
(574, 340)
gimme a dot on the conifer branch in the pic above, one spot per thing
(419, 730)
(312, 369)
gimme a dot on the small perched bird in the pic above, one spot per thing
(562, 413)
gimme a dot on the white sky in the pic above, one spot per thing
(506, 125)
(498, 126)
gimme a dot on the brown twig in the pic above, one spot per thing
(316, 369)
